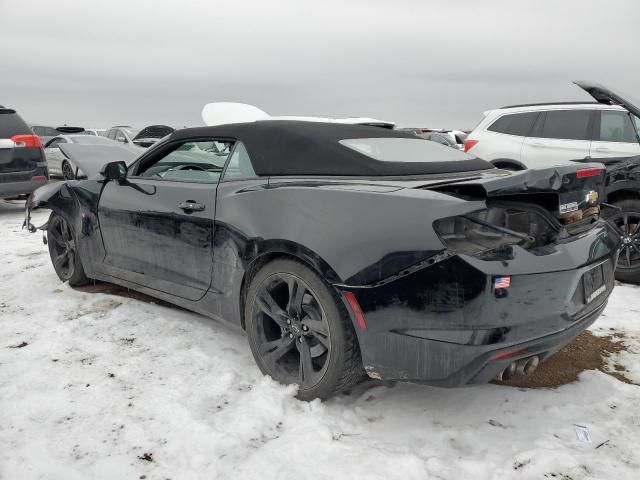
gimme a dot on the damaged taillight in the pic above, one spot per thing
(494, 229)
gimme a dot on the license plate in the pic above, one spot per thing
(593, 282)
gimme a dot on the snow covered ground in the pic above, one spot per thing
(109, 387)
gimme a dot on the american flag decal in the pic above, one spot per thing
(501, 282)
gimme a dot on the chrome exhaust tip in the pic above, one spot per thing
(528, 365)
(508, 372)
(531, 364)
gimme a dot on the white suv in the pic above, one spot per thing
(542, 135)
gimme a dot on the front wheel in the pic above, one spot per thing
(626, 221)
(300, 332)
(63, 251)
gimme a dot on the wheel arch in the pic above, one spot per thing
(623, 194)
(271, 251)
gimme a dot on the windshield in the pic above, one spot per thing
(91, 140)
(405, 150)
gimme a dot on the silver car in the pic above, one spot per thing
(59, 164)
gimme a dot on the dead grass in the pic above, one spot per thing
(586, 352)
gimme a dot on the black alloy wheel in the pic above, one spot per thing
(67, 171)
(63, 251)
(298, 332)
(627, 224)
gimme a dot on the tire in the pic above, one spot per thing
(291, 333)
(627, 223)
(67, 171)
(63, 251)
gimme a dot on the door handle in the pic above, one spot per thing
(602, 149)
(191, 206)
(537, 144)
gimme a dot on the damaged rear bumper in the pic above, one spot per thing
(446, 325)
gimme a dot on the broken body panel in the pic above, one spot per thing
(432, 313)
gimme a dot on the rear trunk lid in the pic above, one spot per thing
(609, 96)
(572, 194)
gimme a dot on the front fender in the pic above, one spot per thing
(54, 196)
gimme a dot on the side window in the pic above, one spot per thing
(192, 161)
(636, 123)
(566, 124)
(111, 134)
(239, 164)
(616, 127)
(120, 136)
(515, 123)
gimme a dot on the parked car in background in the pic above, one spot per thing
(59, 164)
(438, 137)
(122, 133)
(96, 131)
(45, 133)
(151, 134)
(547, 134)
(23, 167)
(305, 235)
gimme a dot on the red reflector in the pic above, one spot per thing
(588, 172)
(39, 179)
(469, 144)
(507, 353)
(357, 311)
(32, 141)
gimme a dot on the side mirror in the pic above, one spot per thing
(114, 171)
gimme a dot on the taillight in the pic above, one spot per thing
(588, 172)
(32, 141)
(496, 229)
(469, 144)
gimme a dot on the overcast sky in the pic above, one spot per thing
(415, 62)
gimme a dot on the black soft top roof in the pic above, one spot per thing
(287, 147)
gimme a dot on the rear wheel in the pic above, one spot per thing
(299, 331)
(67, 171)
(63, 251)
(627, 223)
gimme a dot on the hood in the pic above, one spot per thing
(91, 158)
(154, 131)
(608, 96)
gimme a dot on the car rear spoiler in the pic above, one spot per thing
(91, 158)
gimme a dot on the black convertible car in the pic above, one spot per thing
(344, 249)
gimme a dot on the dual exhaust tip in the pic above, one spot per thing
(525, 366)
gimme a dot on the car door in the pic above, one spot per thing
(615, 135)
(54, 155)
(157, 225)
(558, 137)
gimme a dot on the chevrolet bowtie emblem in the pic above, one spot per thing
(592, 197)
